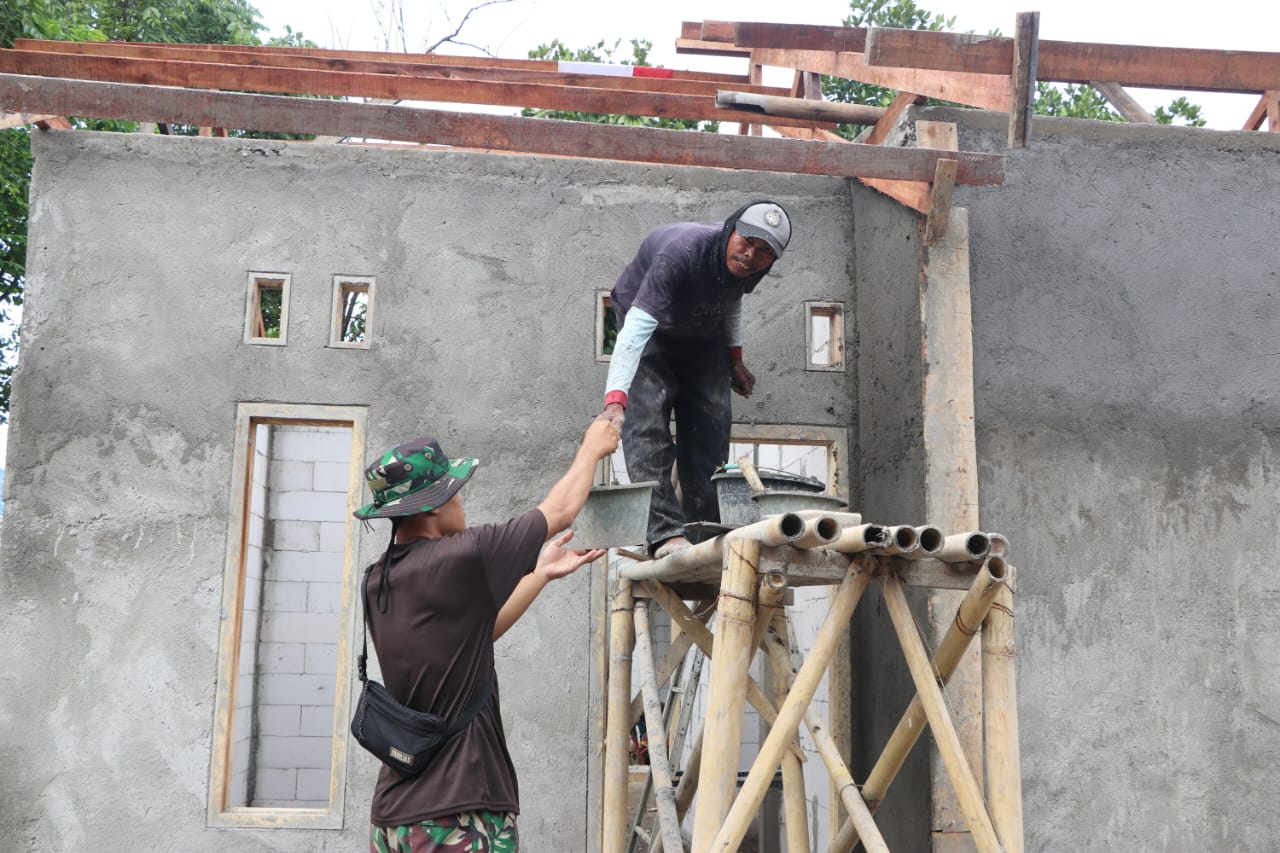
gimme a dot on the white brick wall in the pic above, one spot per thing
(291, 619)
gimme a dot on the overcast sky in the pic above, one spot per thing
(511, 29)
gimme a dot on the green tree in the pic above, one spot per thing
(557, 51)
(174, 21)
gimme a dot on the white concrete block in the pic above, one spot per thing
(281, 657)
(312, 444)
(280, 720)
(288, 535)
(313, 785)
(294, 752)
(285, 689)
(333, 536)
(285, 596)
(308, 506)
(317, 720)
(299, 628)
(332, 477)
(306, 566)
(321, 658)
(272, 783)
(324, 597)
(289, 475)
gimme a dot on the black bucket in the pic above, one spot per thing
(734, 493)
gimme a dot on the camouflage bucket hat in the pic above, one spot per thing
(414, 477)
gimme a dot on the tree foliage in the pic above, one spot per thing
(558, 51)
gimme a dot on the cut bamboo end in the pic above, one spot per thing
(819, 531)
(864, 537)
(968, 547)
(901, 540)
(999, 544)
(929, 541)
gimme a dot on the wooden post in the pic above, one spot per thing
(1000, 696)
(728, 691)
(618, 728)
(781, 675)
(663, 792)
(1026, 49)
(790, 714)
(968, 792)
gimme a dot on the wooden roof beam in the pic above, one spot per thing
(986, 91)
(209, 75)
(486, 67)
(133, 102)
(1022, 100)
(1079, 62)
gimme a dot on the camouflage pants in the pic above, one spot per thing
(468, 832)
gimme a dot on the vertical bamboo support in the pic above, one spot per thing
(781, 675)
(859, 814)
(618, 728)
(727, 695)
(791, 713)
(1000, 697)
(968, 792)
(663, 793)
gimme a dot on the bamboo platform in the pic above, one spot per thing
(741, 580)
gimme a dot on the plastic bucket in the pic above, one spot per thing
(777, 502)
(613, 516)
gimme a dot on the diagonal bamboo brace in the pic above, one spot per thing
(663, 792)
(792, 711)
(944, 730)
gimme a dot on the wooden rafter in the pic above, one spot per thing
(495, 133)
(1079, 62)
(212, 75)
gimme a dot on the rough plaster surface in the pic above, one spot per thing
(1125, 284)
(120, 452)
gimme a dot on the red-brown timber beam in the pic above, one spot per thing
(492, 133)
(210, 75)
(1080, 62)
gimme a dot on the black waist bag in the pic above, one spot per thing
(402, 738)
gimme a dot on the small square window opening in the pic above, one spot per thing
(352, 311)
(267, 311)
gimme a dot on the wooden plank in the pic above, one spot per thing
(210, 75)
(53, 123)
(381, 63)
(1258, 116)
(698, 47)
(1124, 103)
(1273, 111)
(985, 91)
(9, 120)
(491, 133)
(1081, 62)
(944, 186)
(1022, 100)
(892, 116)
(800, 37)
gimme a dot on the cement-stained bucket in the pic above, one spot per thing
(613, 517)
(776, 502)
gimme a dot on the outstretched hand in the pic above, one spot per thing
(742, 380)
(557, 561)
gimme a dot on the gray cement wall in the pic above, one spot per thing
(120, 451)
(1125, 285)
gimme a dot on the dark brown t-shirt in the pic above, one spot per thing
(435, 648)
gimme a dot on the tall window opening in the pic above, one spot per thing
(285, 655)
(267, 311)
(824, 335)
(606, 326)
(352, 307)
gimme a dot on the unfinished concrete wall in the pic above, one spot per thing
(121, 450)
(1125, 286)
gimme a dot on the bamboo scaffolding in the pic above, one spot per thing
(968, 793)
(618, 723)
(663, 792)
(670, 663)
(987, 584)
(684, 792)
(704, 560)
(1000, 719)
(781, 675)
(722, 734)
(789, 716)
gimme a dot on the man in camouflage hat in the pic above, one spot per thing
(679, 350)
(438, 599)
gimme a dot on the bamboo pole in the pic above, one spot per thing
(618, 728)
(968, 793)
(965, 547)
(682, 798)
(784, 729)
(901, 540)
(670, 663)
(663, 793)
(722, 735)
(819, 531)
(1000, 718)
(987, 584)
(705, 641)
(863, 537)
(781, 674)
(706, 558)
